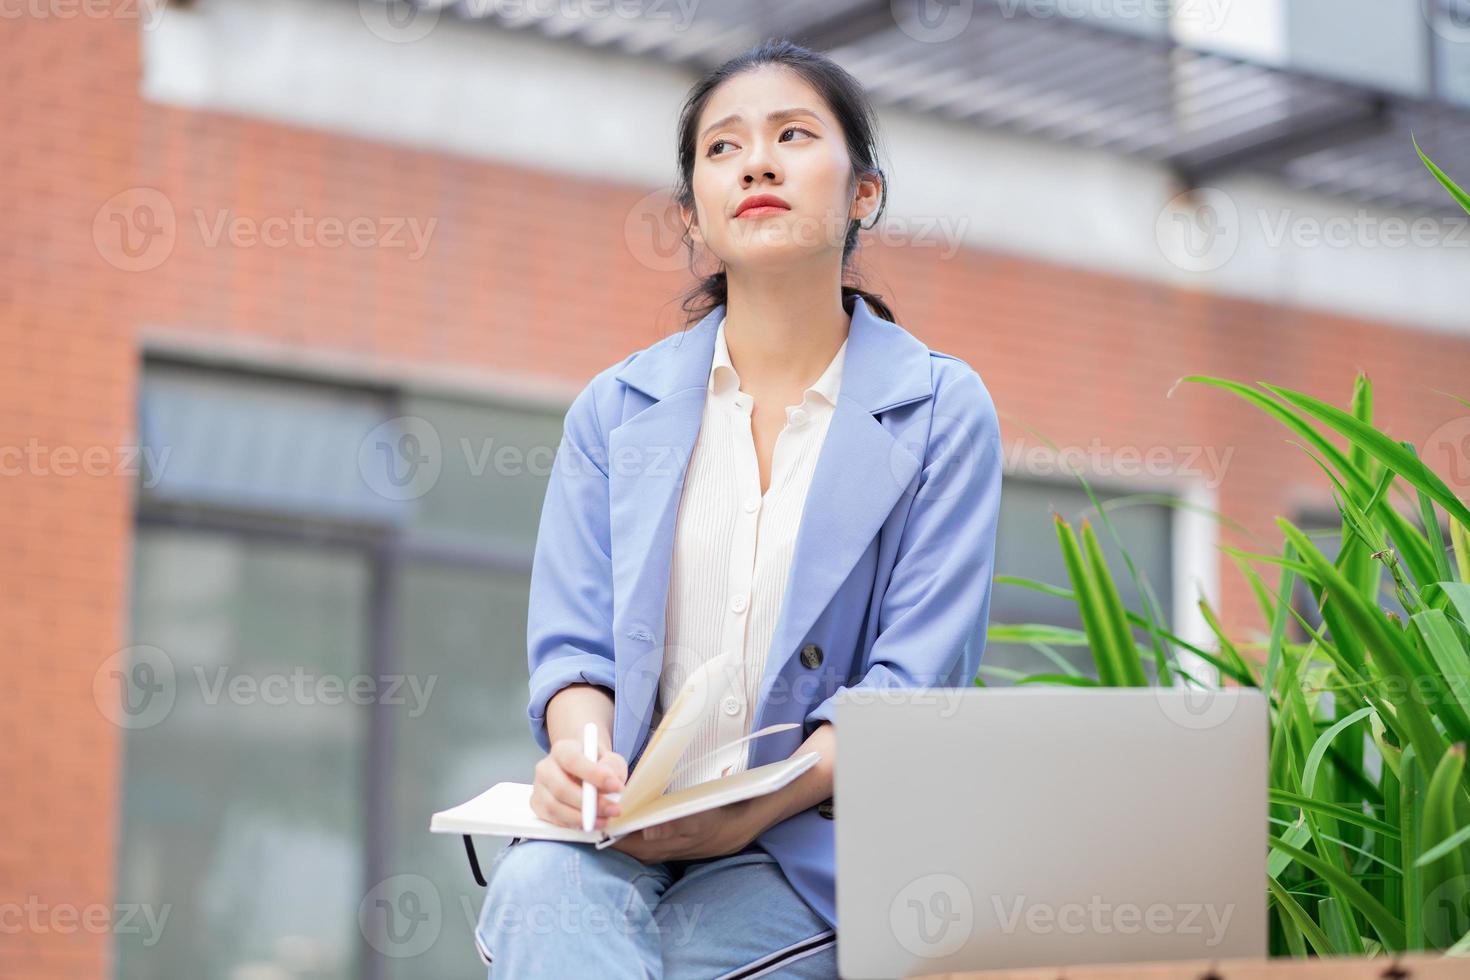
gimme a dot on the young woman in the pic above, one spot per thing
(795, 479)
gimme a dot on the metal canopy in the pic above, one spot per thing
(1136, 93)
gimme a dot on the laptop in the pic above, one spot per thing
(995, 828)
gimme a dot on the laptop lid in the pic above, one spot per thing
(989, 828)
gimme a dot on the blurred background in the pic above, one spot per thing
(294, 295)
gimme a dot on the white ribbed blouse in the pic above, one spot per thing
(733, 548)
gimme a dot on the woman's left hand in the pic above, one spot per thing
(713, 833)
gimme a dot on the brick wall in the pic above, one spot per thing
(526, 274)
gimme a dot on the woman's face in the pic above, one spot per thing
(768, 132)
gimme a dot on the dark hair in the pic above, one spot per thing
(847, 100)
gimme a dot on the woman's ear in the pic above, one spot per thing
(865, 198)
(691, 224)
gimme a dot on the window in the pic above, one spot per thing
(329, 600)
(1026, 546)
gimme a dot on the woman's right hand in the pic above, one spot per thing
(556, 793)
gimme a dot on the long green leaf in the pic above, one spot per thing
(1389, 929)
(1301, 918)
(1125, 652)
(1386, 450)
(1442, 177)
(1094, 621)
(1389, 649)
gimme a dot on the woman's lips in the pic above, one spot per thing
(762, 211)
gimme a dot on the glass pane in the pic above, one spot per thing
(496, 461)
(1451, 23)
(1366, 42)
(464, 643)
(267, 444)
(242, 793)
(1026, 545)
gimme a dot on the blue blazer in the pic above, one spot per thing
(890, 579)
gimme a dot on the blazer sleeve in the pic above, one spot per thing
(935, 610)
(569, 637)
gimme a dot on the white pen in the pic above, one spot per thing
(589, 791)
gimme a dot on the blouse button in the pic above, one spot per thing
(752, 505)
(798, 416)
(732, 706)
(738, 603)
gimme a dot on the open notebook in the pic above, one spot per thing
(504, 810)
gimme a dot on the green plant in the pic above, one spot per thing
(1370, 713)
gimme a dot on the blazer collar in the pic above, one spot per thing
(884, 365)
(827, 386)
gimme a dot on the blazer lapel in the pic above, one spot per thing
(861, 472)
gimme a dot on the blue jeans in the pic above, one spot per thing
(558, 909)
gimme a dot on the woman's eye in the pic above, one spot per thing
(789, 129)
